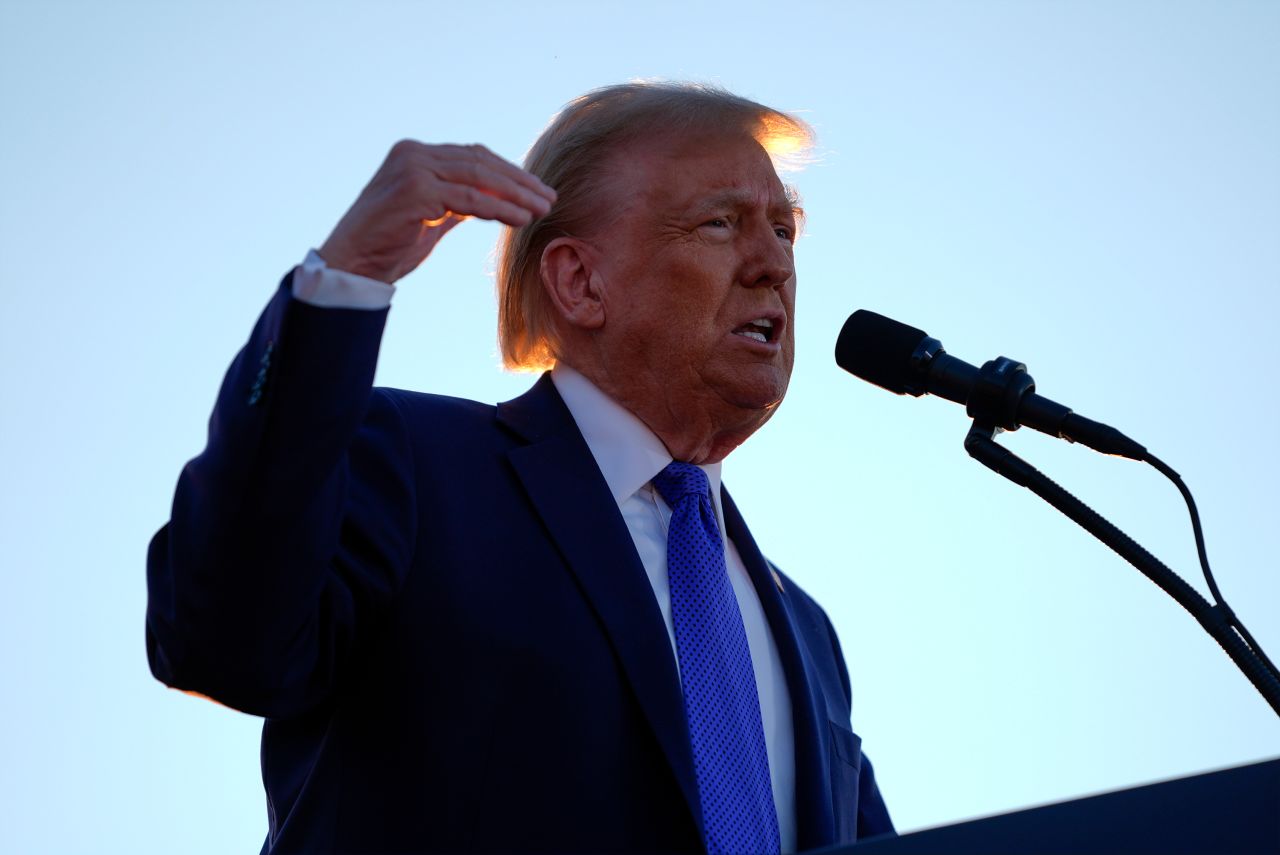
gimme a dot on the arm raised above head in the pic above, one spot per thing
(294, 527)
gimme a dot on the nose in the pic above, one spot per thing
(768, 262)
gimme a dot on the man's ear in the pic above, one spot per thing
(572, 283)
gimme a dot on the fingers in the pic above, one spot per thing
(468, 201)
(491, 163)
(491, 179)
(474, 181)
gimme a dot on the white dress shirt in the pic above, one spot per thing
(629, 455)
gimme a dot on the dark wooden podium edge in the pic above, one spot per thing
(1234, 809)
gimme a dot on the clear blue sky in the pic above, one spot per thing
(1092, 188)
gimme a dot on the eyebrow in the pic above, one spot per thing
(743, 198)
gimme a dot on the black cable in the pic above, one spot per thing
(1231, 616)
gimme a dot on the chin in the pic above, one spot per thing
(755, 385)
(762, 394)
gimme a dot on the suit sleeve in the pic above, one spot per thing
(293, 529)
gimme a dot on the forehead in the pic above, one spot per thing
(706, 170)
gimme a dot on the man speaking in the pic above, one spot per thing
(542, 626)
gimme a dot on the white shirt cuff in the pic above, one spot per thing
(318, 284)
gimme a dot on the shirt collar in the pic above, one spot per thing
(627, 452)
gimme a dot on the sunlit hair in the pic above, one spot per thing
(572, 156)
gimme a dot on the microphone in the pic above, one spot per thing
(906, 361)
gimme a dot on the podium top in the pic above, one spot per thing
(1229, 812)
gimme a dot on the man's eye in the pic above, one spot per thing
(718, 222)
(783, 232)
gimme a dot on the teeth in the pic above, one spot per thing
(752, 334)
(763, 322)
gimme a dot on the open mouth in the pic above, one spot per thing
(763, 330)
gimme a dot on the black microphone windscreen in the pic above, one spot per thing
(878, 349)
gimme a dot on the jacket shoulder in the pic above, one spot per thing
(441, 430)
(413, 404)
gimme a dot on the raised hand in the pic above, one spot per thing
(421, 192)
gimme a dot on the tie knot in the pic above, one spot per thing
(679, 480)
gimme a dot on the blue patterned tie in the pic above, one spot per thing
(720, 698)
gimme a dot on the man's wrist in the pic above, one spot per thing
(318, 284)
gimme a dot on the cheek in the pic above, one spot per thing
(695, 307)
(680, 304)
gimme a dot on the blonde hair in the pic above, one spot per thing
(572, 155)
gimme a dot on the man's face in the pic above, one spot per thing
(699, 279)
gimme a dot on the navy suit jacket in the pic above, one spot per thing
(438, 610)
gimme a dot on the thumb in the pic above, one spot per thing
(433, 230)
(429, 234)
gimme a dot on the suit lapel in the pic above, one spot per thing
(815, 822)
(569, 493)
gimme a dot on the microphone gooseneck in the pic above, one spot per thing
(1001, 395)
